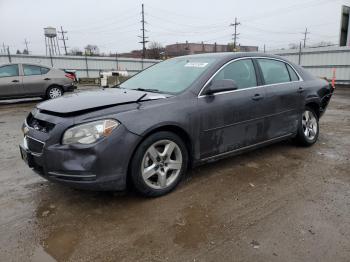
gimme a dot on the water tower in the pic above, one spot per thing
(51, 41)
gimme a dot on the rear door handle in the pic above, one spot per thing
(301, 89)
(15, 81)
(47, 79)
(257, 97)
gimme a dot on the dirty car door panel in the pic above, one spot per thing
(231, 120)
(282, 98)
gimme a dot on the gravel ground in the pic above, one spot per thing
(279, 203)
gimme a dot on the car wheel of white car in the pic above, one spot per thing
(54, 92)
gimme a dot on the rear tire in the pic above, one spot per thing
(158, 164)
(54, 92)
(308, 130)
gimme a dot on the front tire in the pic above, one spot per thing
(308, 128)
(54, 92)
(158, 164)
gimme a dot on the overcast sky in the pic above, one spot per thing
(115, 25)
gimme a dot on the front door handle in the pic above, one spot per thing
(257, 97)
(301, 89)
(15, 81)
(47, 79)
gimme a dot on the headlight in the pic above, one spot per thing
(90, 132)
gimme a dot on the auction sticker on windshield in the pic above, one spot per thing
(196, 64)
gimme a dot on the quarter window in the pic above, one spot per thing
(44, 70)
(293, 75)
(241, 71)
(274, 71)
(30, 70)
(9, 70)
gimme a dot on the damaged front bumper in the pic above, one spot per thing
(101, 166)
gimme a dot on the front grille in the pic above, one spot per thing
(40, 125)
(34, 145)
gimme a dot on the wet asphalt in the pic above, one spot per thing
(279, 203)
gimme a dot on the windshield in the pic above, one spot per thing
(171, 76)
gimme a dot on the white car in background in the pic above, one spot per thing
(29, 80)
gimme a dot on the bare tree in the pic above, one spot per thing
(293, 46)
(231, 47)
(155, 50)
(75, 51)
(92, 50)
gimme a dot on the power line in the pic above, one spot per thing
(143, 37)
(118, 18)
(305, 37)
(264, 31)
(172, 23)
(235, 34)
(160, 10)
(287, 9)
(63, 39)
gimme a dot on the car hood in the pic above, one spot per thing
(87, 101)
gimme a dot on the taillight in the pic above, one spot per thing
(70, 76)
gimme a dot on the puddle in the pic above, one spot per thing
(39, 255)
(192, 228)
(61, 243)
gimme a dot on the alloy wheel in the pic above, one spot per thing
(161, 164)
(309, 124)
(55, 92)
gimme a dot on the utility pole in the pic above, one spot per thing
(26, 43)
(299, 55)
(305, 37)
(116, 60)
(86, 65)
(235, 35)
(143, 37)
(63, 39)
(4, 48)
(8, 54)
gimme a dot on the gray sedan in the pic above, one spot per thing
(27, 80)
(179, 113)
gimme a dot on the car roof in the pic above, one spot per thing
(232, 55)
(27, 64)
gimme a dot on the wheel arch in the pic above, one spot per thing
(314, 106)
(169, 128)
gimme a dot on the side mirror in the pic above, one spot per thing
(222, 85)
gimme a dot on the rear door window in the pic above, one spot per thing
(9, 70)
(274, 72)
(30, 70)
(241, 71)
(293, 75)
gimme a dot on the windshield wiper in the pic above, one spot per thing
(148, 90)
(141, 97)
